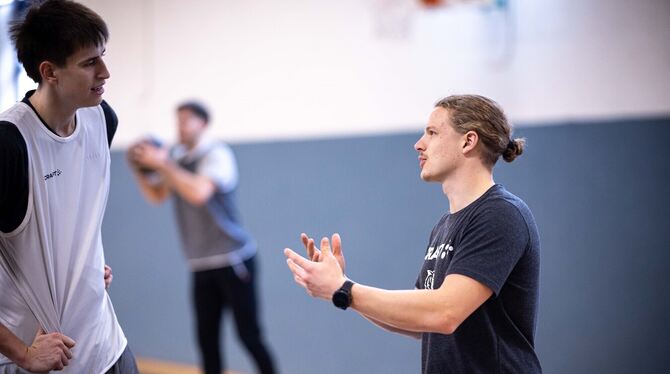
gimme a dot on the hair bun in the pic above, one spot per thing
(514, 149)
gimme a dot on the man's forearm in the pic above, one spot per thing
(415, 311)
(411, 334)
(194, 188)
(11, 346)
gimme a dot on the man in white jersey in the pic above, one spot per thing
(54, 181)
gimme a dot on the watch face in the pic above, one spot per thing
(341, 299)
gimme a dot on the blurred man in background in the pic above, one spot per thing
(201, 175)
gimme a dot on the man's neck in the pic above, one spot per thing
(195, 143)
(463, 189)
(56, 115)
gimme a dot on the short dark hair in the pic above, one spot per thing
(197, 108)
(53, 31)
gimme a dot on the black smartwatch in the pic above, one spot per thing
(342, 297)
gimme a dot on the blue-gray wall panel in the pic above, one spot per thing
(598, 192)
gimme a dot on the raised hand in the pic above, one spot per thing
(320, 278)
(314, 253)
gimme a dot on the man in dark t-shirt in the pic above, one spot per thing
(474, 305)
(493, 241)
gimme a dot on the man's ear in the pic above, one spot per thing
(471, 139)
(48, 72)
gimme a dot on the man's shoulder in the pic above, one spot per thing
(504, 210)
(496, 210)
(16, 114)
(218, 151)
(501, 200)
(219, 146)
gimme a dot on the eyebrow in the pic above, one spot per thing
(93, 57)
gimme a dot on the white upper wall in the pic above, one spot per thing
(275, 69)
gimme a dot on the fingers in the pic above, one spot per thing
(108, 271)
(64, 359)
(68, 341)
(297, 259)
(337, 244)
(108, 276)
(312, 252)
(135, 151)
(296, 270)
(305, 242)
(325, 246)
(315, 251)
(140, 151)
(134, 154)
(67, 352)
(300, 281)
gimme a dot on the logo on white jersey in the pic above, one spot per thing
(54, 173)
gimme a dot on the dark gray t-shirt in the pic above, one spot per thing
(212, 235)
(494, 241)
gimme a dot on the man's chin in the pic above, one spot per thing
(429, 178)
(424, 176)
(90, 103)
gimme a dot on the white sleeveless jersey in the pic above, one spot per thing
(52, 265)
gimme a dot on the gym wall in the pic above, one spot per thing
(597, 190)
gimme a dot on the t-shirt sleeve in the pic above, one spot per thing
(491, 245)
(111, 120)
(13, 177)
(219, 164)
(417, 283)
